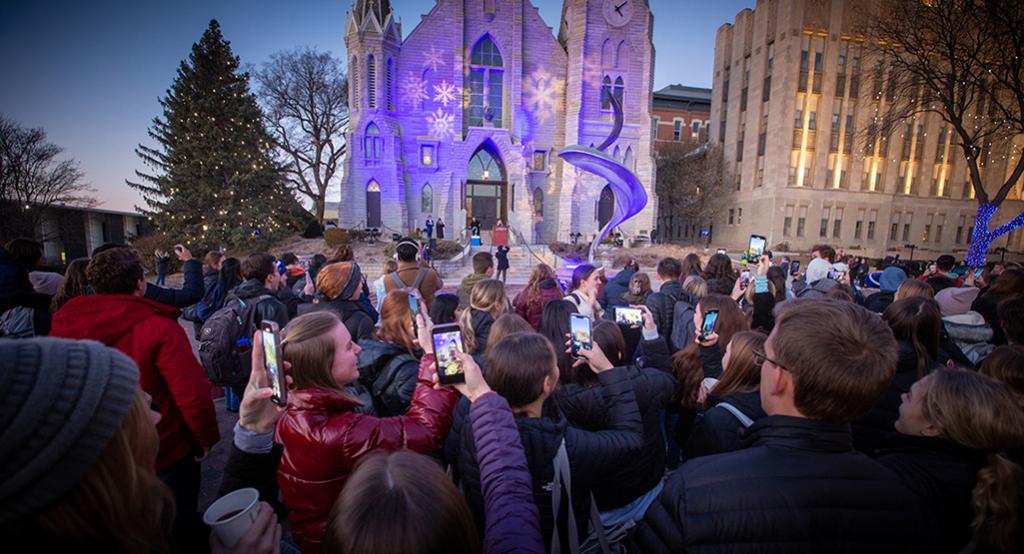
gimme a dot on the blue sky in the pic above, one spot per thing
(90, 72)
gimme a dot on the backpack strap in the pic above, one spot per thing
(744, 420)
(563, 476)
(419, 278)
(398, 280)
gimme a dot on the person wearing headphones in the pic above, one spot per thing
(411, 274)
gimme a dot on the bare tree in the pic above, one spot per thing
(690, 183)
(304, 94)
(32, 179)
(962, 62)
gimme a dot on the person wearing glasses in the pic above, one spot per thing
(799, 486)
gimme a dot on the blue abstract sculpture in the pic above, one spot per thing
(630, 196)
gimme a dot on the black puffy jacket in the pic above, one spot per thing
(799, 488)
(662, 305)
(592, 455)
(869, 429)
(942, 473)
(717, 430)
(359, 325)
(585, 408)
(389, 372)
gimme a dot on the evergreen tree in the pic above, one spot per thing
(214, 181)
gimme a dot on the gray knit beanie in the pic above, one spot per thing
(60, 403)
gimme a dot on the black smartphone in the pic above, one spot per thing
(447, 340)
(272, 364)
(707, 326)
(794, 267)
(634, 317)
(755, 249)
(579, 327)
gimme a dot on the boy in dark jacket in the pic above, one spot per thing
(800, 486)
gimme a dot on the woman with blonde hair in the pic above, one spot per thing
(911, 288)
(388, 364)
(75, 283)
(734, 402)
(487, 301)
(323, 434)
(953, 429)
(542, 288)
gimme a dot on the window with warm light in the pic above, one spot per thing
(427, 154)
(540, 158)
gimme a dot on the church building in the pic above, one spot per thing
(465, 117)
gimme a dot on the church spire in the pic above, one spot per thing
(378, 9)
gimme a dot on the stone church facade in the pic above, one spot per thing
(465, 116)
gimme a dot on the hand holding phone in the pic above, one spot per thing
(744, 279)
(794, 267)
(579, 326)
(755, 248)
(632, 317)
(708, 324)
(446, 341)
(270, 336)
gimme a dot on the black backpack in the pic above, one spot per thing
(225, 342)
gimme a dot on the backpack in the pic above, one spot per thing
(212, 301)
(683, 330)
(225, 342)
(597, 540)
(414, 288)
(18, 323)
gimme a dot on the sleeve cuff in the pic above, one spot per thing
(252, 442)
(760, 284)
(650, 334)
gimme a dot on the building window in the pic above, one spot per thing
(696, 129)
(354, 77)
(837, 224)
(732, 216)
(801, 221)
(608, 90)
(540, 160)
(677, 130)
(485, 83)
(371, 82)
(372, 143)
(388, 95)
(787, 223)
(739, 216)
(804, 61)
(739, 183)
(858, 228)
(906, 226)
(538, 202)
(938, 228)
(427, 199)
(817, 73)
(855, 71)
(427, 155)
(826, 214)
(766, 90)
(960, 230)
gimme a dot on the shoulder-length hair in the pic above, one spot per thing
(742, 375)
(396, 320)
(917, 320)
(307, 342)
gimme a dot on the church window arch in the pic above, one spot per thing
(486, 71)
(538, 202)
(606, 53)
(371, 82)
(621, 54)
(427, 199)
(354, 70)
(630, 161)
(617, 90)
(372, 143)
(389, 101)
(606, 91)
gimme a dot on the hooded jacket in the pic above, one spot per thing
(270, 309)
(971, 334)
(389, 372)
(799, 488)
(466, 287)
(531, 307)
(611, 295)
(149, 333)
(324, 438)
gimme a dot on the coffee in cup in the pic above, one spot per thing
(231, 515)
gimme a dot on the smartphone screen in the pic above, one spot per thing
(744, 279)
(414, 305)
(977, 272)
(447, 341)
(629, 316)
(794, 267)
(708, 325)
(756, 247)
(272, 361)
(579, 326)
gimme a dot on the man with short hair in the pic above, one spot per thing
(800, 486)
(483, 268)
(824, 252)
(663, 303)
(412, 273)
(262, 282)
(119, 316)
(191, 290)
(943, 267)
(1011, 318)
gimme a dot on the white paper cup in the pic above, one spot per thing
(244, 502)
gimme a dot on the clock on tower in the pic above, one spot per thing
(617, 12)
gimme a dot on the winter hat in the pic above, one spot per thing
(891, 278)
(340, 280)
(956, 300)
(871, 280)
(817, 270)
(60, 403)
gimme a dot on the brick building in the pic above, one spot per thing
(682, 117)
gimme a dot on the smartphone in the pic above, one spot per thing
(836, 275)
(744, 279)
(707, 326)
(579, 327)
(447, 339)
(755, 249)
(794, 267)
(271, 335)
(414, 305)
(634, 317)
(978, 272)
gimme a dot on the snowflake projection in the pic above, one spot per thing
(542, 95)
(442, 124)
(446, 93)
(592, 70)
(414, 89)
(433, 59)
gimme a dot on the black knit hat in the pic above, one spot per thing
(60, 403)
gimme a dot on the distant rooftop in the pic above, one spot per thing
(683, 97)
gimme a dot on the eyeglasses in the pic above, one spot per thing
(761, 357)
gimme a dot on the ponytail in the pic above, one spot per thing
(468, 335)
(996, 503)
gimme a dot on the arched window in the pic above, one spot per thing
(389, 101)
(427, 199)
(606, 53)
(538, 202)
(618, 89)
(621, 54)
(485, 83)
(372, 143)
(630, 161)
(483, 166)
(371, 83)
(606, 91)
(615, 153)
(354, 70)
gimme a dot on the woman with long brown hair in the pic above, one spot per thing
(542, 288)
(953, 428)
(75, 283)
(703, 358)
(324, 435)
(916, 323)
(691, 266)
(719, 274)
(1009, 283)
(388, 365)
(734, 402)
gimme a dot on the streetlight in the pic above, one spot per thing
(912, 247)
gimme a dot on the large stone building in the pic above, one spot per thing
(794, 97)
(465, 115)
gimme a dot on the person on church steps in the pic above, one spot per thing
(439, 227)
(540, 289)
(800, 486)
(501, 255)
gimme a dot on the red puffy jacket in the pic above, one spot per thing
(149, 333)
(324, 439)
(531, 307)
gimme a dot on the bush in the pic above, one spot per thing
(337, 237)
(445, 249)
(313, 230)
(570, 251)
(781, 247)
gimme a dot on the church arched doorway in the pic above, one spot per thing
(605, 206)
(373, 205)
(485, 188)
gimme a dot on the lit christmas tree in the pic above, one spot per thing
(214, 181)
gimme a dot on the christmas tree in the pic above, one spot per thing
(214, 181)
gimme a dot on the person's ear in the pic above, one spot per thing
(779, 381)
(550, 380)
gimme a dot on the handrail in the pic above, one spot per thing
(522, 239)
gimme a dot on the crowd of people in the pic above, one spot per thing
(842, 408)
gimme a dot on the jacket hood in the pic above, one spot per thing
(622, 278)
(250, 288)
(480, 319)
(817, 270)
(548, 284)
(541, 437)
(969, 327)
(106, 317)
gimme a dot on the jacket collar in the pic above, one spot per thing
(321, 400)
(896, 442)
(800, 433)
